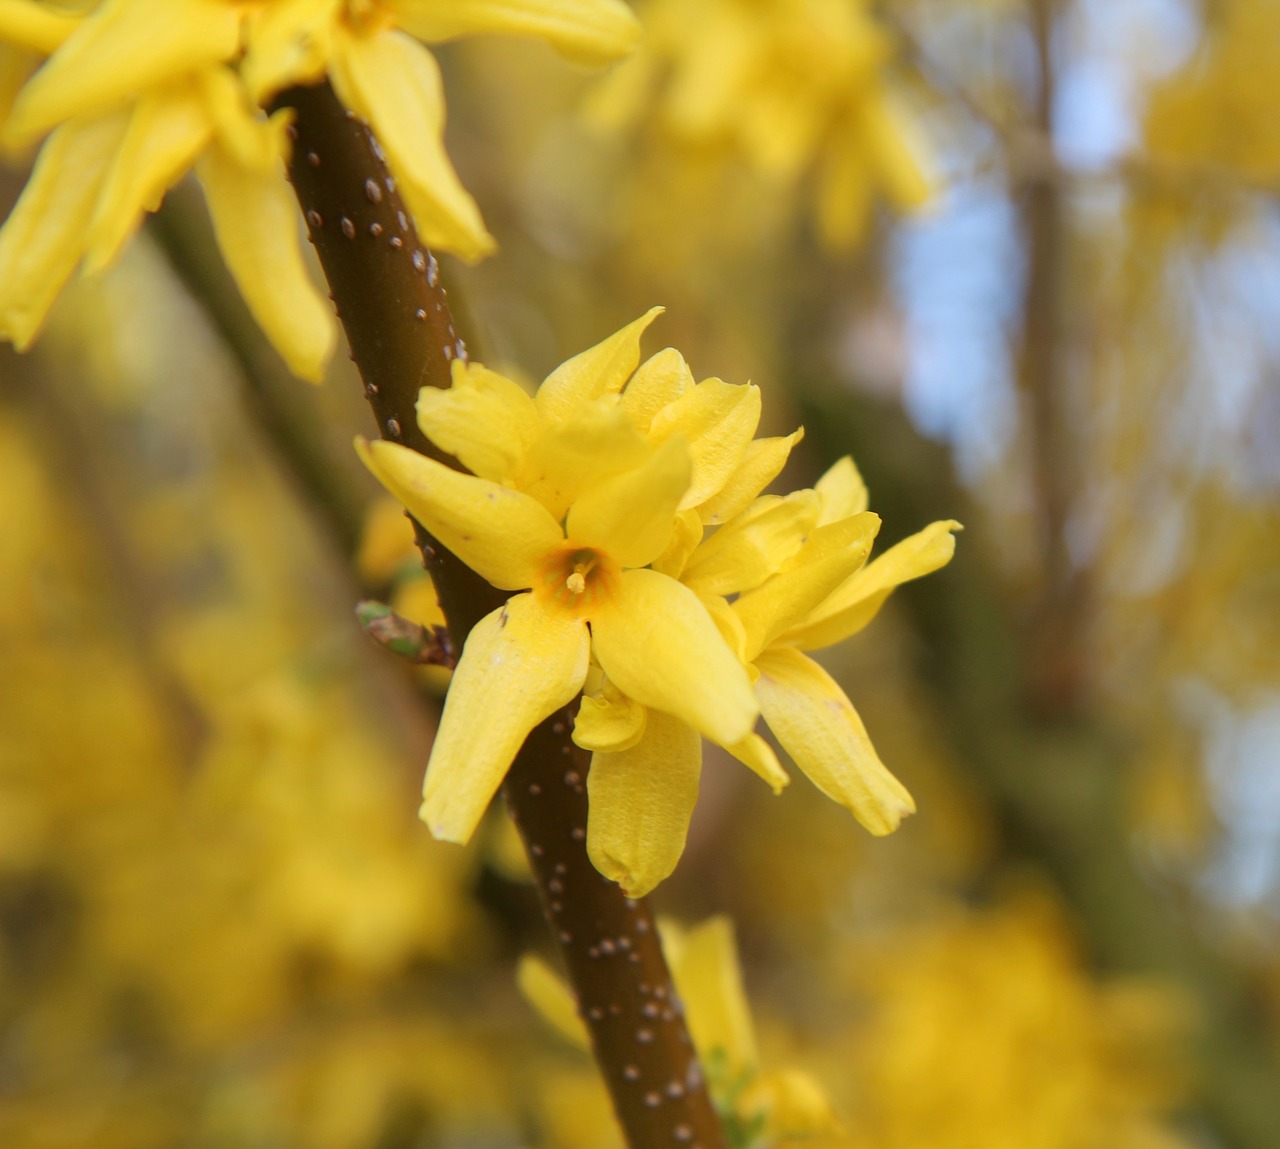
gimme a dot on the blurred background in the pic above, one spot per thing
(1022, 260)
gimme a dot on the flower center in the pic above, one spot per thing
(577, 577)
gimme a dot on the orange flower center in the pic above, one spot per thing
(577, 577)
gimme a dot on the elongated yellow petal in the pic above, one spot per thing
(484, 420)
(502, 535)
(592, 374)
(43, 238)
(718, 419)
(657, 643)
(845, 193)
(831, 554)
(684, 540)
(756, 544)
(843, 491)
(640, 802)
(519, 665)
(895, 151)
(730, 627)
(239, 126)
(124, 46)
(659, 380)
(288, 42)
(543, 989)
(818, 726)
(609, 721)
(708, 977)
(706, 93)
(167, 130)
(593, 31)
(761, 463)
(858, 600)
(255, 217)
(393, 82)
(33, 26)
(754, 752)
(568, 458)
(631, 516)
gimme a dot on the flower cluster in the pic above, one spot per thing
(622, 504)
(131, 94)
(792, 90)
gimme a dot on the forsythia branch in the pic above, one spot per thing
(388, 294)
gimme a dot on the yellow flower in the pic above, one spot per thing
(595, 420)
(790, 88)
(603, 507)
(136, 92)
(758, 1107)
(795, 569)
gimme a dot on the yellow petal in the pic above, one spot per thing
(568, 458)
(631, 516)
(760, 465)
(288, 42)
(754, 752)
(831, 554)
(730, 627)
(640, 801)
(896, 151)
(123, 47)
(659, 380)
(255, 218)
(793, 1103)
(708, 977)
(704, 95)
(592, 374)
(858, 600)
(717, 419)
(502, 535)
(684, 540)
(657, 643)
(844, 193)
(609, 721)
(818, 726)
(843, 491)
(753, 546)
(245, 134)
(43, 238)
(34, 27)
(167, 130)
(484, 420)
(543, 989)
(393, 82)
(592, 31)
(519, 665)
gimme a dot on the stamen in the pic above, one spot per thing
(577, 581)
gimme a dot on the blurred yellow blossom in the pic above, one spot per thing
(796, 90)
(989, 1021)
(132, 95)
(758, 1107)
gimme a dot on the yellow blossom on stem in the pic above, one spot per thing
(757, 1106)
(796, 571)
(585, 594)
(133, 94)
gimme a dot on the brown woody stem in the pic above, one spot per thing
(387, 291)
